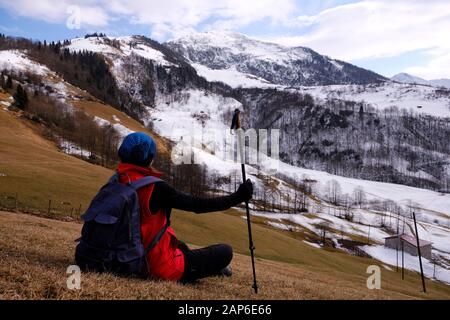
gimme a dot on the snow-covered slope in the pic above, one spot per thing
(119, 47)
(124, 56)
(407, 78)
(232, 77)
(186, 107)
(420, 98)
(202, 117)
(197, 119)
(18, 61)
(276, 64)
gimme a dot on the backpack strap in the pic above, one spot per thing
(114, 178)
(159, 234)
(137, 184)
(157, 239)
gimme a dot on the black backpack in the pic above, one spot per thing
(111, 235)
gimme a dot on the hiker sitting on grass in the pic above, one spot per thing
(167, 257)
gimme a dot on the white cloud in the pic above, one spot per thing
(437, 67)
(379, 28)
(376, 28)
(92, 14)
(175, 17)
(166, 17)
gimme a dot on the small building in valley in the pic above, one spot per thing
(409, 245)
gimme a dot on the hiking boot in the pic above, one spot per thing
(225, 272)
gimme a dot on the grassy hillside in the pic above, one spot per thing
(53, 247)
(35, 171)
(33, 168)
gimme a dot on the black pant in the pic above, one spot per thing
(205, 262)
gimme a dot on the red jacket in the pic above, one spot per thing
(166, 260)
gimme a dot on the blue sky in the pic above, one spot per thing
(382, 35)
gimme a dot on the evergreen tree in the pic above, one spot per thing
(21, 98)
(2, 81)
(9, 83)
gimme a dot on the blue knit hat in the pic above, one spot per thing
(137, 148)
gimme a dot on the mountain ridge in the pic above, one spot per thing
(277, 64)
(404, 77)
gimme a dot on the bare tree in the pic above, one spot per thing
(359, 196)
(333, 191)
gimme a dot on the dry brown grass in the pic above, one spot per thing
(37, 271)
(35, 253)
(4, 96)
(34, 169)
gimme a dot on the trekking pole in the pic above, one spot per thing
(249, 226)
(420, 255)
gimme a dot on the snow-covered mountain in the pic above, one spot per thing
(132, 60)
(407, 78)
(352, 130)
(225, 56)
(335, 136)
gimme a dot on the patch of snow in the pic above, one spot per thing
(61, 89)
(315, 245)
(149, 54)
(73, 149)
(232, 77)
(120, 128)
(115, 118)
(335, 63)
(280, 226)
(101, 121)
(387, 267)
(18, 61)
(389, 256)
